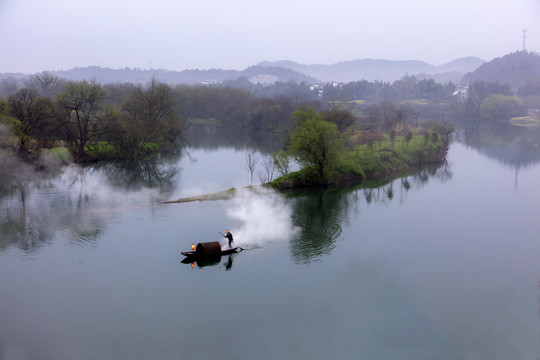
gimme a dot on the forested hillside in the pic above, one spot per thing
(514, 69)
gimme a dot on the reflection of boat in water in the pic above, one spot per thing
(209, 253)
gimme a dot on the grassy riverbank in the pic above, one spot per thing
(375, 160)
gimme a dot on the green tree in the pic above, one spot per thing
(408, 137)
(530, 88)
(281, 162)
(429, 89)
(342, 118)
(316, 144)
(387, 115)
(501, 107)
(406, 87)
(392, 135)
(479, 90)
(8, 129)
(444, 131)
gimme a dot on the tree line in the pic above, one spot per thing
(83, 117)
(126, 120)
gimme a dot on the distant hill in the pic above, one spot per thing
(282, 71)
(106, 75)
(381, 70)
(514, 69)
(464, 65)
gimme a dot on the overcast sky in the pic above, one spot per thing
(41, 35)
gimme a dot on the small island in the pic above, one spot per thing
(330, 156)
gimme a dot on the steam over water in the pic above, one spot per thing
(262, 217)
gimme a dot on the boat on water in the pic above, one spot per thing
(210, 249)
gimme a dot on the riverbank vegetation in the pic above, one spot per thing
(91, 122)
(125, 121)
(328, 155)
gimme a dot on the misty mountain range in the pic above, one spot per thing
(381, 70)
(267, 72)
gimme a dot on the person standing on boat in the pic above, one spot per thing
(229, 236)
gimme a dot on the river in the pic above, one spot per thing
(441, 264)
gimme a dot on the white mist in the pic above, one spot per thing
(264, 217)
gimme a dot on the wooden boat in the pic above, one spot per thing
(209, 249)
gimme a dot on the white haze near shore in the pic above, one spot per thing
(263, 216)
(105, 197)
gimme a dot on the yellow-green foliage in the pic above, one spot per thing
(416, 102)
(359, 102)
(382, 157)
(208, 121)
(526, 121)
(60, 152)
(101, 150)
(104, 150)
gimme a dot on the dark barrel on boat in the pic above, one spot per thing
(208, 248)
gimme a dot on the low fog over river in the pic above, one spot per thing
(441, 264)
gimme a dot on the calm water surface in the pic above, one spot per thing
(442, 264)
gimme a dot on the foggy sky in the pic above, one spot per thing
(39, 35)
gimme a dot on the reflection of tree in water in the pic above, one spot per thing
(26, 230)
(320, 214)
(29, 220)
(511, 145)
(400, 186)
(36, 207)
(156, 172)
(215, 137)
(20, 225)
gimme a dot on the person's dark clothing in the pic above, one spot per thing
(229, 236)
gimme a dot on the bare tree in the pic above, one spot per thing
(251, 163)
(9, 86)
(150, 116)
(46, 84)
(267, 174)
(34, 113)
(79, 106)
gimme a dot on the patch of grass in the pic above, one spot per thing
(526, 121)
(59, 153)
(384, 157)
(359, 102)
(106, 151)
(379, 161)
(417, 102)
(150, 147)
(207, 121)
(101, 150)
